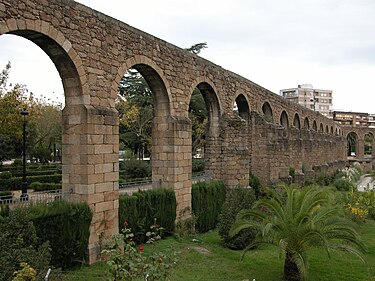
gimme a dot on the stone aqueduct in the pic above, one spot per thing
(92, 51)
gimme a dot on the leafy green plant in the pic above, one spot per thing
(207, 200)
(26, 273)
(254, 182)
(300, 220)
(19, 243)
(126, 261)
(237, 199)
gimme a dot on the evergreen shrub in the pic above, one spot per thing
(15, 183)
(134, 168)
(141, 209)
(254, 182)
(343, 184)
(207, 200)
(19, 243)
(197, 165)
(66, 226)
(44, 186)
(237, 199)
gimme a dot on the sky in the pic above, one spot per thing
(276, 44)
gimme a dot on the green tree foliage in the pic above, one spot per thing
(297, 221)
(199, 119)
(197, 48)
(43, 123)
(135, 107)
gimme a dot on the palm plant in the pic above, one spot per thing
(298, 221)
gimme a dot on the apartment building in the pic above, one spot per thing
(354, 119)
(307, 96)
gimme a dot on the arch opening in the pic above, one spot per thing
(296, 122)
(306, 124)
(241, 107)
(352, 144)
(368, 145)
(267, 112)
(315, 126)
(284, 121)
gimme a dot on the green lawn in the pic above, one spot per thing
(208, 260)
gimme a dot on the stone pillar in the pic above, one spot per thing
(360, 149)
(172, 160)
(90, 167)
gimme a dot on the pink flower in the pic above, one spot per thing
(125, 223)
(140, 248)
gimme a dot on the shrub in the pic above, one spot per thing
(142, 208)
(39, 186)
(255, 184)
(19, 243)
(134, 168)
(197, 165)
(207, 200)
(66, 226)
(343, 184)
(237, 199)
(15, 183)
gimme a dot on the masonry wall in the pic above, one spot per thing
(92, 51)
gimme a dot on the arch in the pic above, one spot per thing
(332, 130)
(60, 51)
(284, 121)
(267, 112)
(315, 126)
(327, 129)
(321, 128)
(306, 124)
(242, 106)
(154, 77)
(296, 121)
(368, 144)
(352, 144)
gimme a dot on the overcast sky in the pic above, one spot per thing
(276, 44)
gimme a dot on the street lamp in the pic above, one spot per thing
(24, 195)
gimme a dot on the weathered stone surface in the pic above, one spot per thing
(92, 58)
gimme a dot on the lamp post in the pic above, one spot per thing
(24, 195)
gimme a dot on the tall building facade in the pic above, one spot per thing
(314, 99)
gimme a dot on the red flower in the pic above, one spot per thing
(125, 223)
(140, 248)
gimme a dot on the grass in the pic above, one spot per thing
(207, 260)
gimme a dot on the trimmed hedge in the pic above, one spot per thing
(207, 201)
(66, 226)
(44, 186)
(143, 207)
(16, 183)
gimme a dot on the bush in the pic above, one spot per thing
(207, 200)
(66, 225)
(19, 243)
(197, 165)
(134, 168)
(237, 199)
(343, 184)
(15, 183)
(255, 184)
(39, 186)
(143, 207)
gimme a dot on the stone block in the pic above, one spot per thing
(104, 206)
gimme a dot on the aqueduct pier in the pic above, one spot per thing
(92, 51)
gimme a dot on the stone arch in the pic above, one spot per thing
(306, 124)
(154, 77)
(315, 126)
(369, 144)
(352, 144)
(284, 121)
(321, 128)
(212, 146)
(59, 49)
(267, 112)
(327, 129)
(161, 114)
(243, 107)
(332, 130)
(296, 121)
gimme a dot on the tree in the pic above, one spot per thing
(300, 220)
(197, 48)
(135, 107)
(199, 120)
